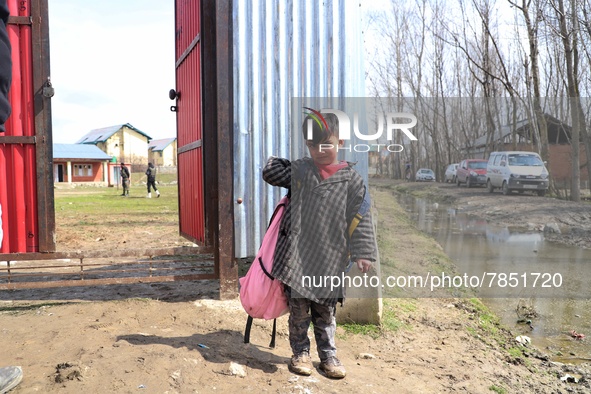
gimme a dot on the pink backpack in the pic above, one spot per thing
(262, 295)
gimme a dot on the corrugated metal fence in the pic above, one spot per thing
(284, 50)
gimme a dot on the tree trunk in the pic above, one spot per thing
(574, 103)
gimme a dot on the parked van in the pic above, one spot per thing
(515, 170)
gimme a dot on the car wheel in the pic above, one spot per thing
(505, 188)
(541, 193)
(489, 186)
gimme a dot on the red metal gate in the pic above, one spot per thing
(26, 160)
(189, 120)
(26, 181)
(204, 130)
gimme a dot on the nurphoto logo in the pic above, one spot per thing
(392, 125)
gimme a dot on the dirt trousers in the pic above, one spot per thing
(302, 311)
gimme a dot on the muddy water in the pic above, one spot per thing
(517, 273)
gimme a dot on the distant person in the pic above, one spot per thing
(151, 173)
(125, 175)
(11, 376)
(407, 172)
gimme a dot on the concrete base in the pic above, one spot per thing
(363, 305)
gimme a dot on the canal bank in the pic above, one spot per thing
(467, 335)
(539, 288)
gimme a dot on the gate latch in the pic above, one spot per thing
(48, 90)
(173, 95)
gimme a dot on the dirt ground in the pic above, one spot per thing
(178, 338)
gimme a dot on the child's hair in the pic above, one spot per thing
(324, 126)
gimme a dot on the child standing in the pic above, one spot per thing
(325, 195)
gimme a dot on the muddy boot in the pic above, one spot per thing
(333, 368)
(10, 377)
(301, 364)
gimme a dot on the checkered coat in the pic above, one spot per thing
(313, 238)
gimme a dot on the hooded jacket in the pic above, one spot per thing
(151, 173)
(313, 239)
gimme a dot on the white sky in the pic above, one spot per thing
(112, 62)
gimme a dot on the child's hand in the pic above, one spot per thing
(364, 265)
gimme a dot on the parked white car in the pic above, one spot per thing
(516, 170)
(450, 173)
(425, 175)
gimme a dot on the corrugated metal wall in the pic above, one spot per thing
(283, 50)
(18, 190)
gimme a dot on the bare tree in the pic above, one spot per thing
(569, 42)
(532, 37)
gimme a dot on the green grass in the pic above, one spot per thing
(486, 320)
(84, 202)
(489, 329)
(497, 389)
(515, 352)
(371, 330)
(391, 320)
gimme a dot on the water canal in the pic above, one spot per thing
(516, 273)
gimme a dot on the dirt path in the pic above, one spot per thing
(174, 338)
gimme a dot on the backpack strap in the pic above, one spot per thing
(363, 210)
(249, 321)
(247, 329)
(265, 270)
(273, 334)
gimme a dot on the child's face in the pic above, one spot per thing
(325, 152)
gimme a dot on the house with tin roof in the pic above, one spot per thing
(123, 142)
(162, 152)
(526, 134)
(75, 163)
